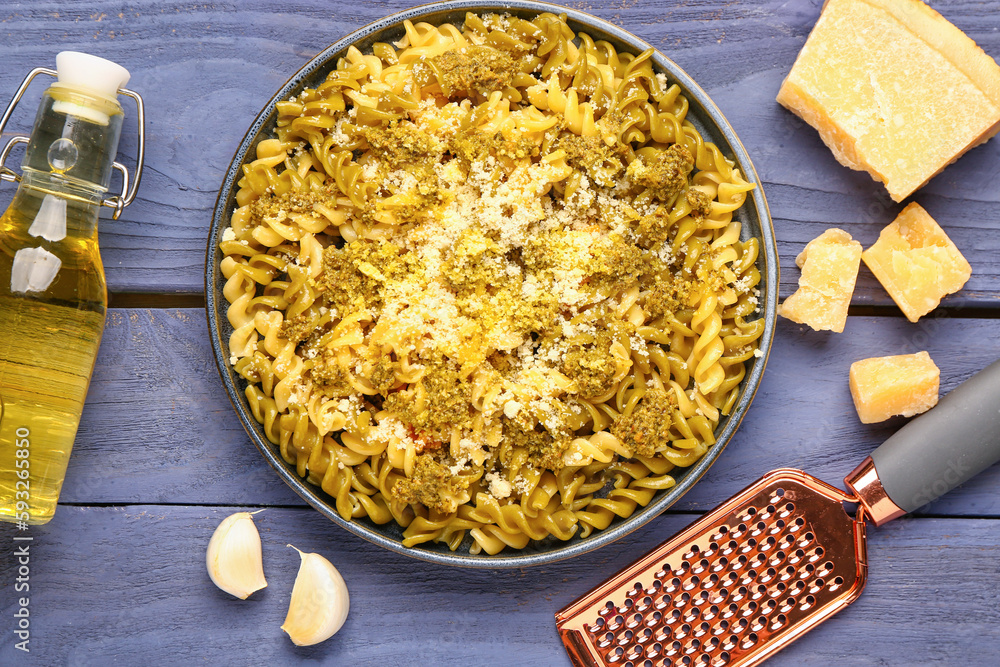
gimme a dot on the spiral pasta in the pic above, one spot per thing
(486, 282)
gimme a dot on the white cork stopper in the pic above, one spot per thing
(90, 74)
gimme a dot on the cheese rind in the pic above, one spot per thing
(829, 266)
(905, 384)
(916, 262)
(894, 89)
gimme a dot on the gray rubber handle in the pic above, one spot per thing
(957, 439)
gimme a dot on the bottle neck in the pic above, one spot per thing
(74, 139)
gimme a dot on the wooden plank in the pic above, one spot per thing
(115, 585)
(205, 71)
(158, 427)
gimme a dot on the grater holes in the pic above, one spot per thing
(769, 575)
(692, 615)
(778, 622)
(691, 583)
(684, 568)
(654, 651)
(731, 643)
(749, 641)
(721, 565)
(644, 604)
(608, 608)
(711, 613)
(758, 624)
(700, 566)
(703, 629)
(634, 621)
(596, 626)
(654, 618)
(606, 640)
(692, 552)
(837, 583)
(672, 586)
(644, 636)
(682, 631)
(721, 660)
(778, 590)
(711, 582)
(692, 646)
(615, 623)
(788, 573)
(625, 638)
(675, 616)
(673, 649)
(807, 602)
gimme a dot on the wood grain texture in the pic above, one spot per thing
(158, 427)
(118, 577)
(205, 70)
(95, 601)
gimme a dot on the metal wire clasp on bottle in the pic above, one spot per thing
(130, 185)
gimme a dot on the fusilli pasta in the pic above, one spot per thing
(486, 282)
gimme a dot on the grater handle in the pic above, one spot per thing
(931, 455)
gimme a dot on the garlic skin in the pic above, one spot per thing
(234, 558)
(319, 603)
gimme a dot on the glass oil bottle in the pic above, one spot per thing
(53, 295)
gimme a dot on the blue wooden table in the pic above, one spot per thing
(118, 577)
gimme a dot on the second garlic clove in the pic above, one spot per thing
(234, 558)
(319, 603)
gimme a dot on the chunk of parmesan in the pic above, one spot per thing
(916, 262)
(829, 266)
(894, 89)
(905, 384)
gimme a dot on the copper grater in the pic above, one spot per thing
(781, 556)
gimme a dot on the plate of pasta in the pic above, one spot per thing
(491, 285)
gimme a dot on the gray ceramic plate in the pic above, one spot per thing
(703, 114)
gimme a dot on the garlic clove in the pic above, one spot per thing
(234, 558)
(319, 603)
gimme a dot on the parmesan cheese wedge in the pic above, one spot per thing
(829, 266)
(904, 384)
(916, 262)
(894, 89)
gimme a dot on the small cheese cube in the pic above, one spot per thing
(906, 384)
(894, 89)
(829, 266)
(916, 262)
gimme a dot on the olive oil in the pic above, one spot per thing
(48, 344)
(53, 295)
